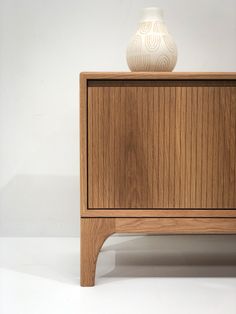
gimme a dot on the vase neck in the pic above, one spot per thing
(151, 13)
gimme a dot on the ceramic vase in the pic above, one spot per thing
(152, 48)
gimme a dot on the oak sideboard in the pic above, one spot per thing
(158, 156)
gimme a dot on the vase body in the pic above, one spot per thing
(152, 48)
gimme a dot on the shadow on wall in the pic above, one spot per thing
(40, 205)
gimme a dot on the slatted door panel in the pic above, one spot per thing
(162, 145)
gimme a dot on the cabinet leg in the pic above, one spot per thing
(94, 231)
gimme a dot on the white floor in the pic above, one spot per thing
(146, 274)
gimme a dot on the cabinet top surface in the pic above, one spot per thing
(158, 75)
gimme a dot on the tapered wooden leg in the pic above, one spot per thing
(94, 231)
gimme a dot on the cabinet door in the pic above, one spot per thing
(163, 144)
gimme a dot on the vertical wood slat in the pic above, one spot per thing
(144, 156)
(172, 140)
(225, 120)
(141, 191)
(117, 143)
(121, 134)
(199, 148)
(166, 147)
(227, 149)
(177, 143)
(209, 148)
(101, 146)
(161, 134)
(150, 140)
(162, 147)
(113, 94)
(221, 151)
(106, 128)
(188, 138)
(193, 150)
(93, 148)
(204, 151)
(215, 148)
(183, 134)
(156, 149)
(91, 199)
(131, 147)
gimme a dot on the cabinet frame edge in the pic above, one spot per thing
(142, 212)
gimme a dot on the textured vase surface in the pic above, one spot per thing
(152, 48)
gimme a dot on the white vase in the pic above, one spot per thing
(152, 48)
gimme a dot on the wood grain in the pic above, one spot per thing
(176, 225)
(94, 231)
(147, 212)
(83, 145)
(158, 156)
(158, 75)
(166, 146)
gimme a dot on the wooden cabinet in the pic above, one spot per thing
(158, 155)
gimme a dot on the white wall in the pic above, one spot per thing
(44, 45)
